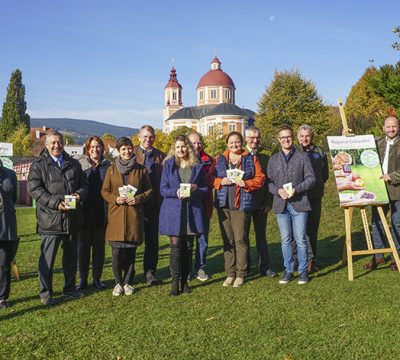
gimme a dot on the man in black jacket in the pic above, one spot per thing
(52, 176)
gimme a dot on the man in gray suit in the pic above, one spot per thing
(290, 175)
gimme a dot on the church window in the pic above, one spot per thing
(232, 127)
(210, 130)
(213, 94)
(174, 95)
(228, 94)
(201, 95)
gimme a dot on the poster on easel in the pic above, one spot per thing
(357, 170)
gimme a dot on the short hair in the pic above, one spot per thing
(95, 138)
(197, 134)
(235, 133)
(392, 117)
(54, 133)
(284, 127)
(123, 141)
(148, 128)
(252, 129)
(306, 127)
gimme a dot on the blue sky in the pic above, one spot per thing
(109, 60)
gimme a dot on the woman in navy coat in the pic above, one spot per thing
(182, 215)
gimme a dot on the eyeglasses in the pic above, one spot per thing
(285, 137)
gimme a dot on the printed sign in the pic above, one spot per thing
(6, 149)
(357, 170)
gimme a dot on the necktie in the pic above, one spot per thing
(59, 163)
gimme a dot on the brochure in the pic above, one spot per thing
(70, 201)
(184, 189)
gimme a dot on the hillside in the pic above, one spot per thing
(81, 129)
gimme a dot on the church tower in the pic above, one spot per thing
(172, 97)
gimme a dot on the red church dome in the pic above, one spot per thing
(216, 77)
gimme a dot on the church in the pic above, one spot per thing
(215, 112)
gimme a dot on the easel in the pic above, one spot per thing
(348, 253)
(14, 270)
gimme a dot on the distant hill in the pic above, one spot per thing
(80, 130)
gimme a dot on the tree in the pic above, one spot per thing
(365, 109)
(396, 45)
(214, 144)
(22, 142)
(292, 100)
(107, 136)
(14, 108)
(68, 139)
(387, 84)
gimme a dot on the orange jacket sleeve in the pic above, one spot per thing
(258, 180)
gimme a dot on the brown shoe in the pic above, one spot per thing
(374, 263)
(393, 266)
(312, 267)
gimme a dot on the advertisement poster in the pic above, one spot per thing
(357, 170)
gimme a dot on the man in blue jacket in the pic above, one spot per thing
(290, 175)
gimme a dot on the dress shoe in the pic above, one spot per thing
(82, 285)
(374, 263)
(269, 273)
(312, 266)
(152, 280)
(393, 266)
(99, 285)
(3, 304)
(73, 295)
(47, 301)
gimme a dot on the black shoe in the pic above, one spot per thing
(152, 280)
(99, 285)
(82, 285)
(47, 301)
(269, 273)
(174, 288)
(73, 295)
(186, 288)
(3, 304)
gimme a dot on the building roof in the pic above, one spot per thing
(173, 80)
(198, 112)
(216, 77)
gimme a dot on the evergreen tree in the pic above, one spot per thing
(396, 45)
(387, 84)
(14, 108)
(365, 109)
(292, 100)
(21, 140)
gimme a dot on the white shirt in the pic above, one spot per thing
(385, 163)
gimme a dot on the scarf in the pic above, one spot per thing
(125, 166)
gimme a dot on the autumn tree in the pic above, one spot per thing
(292, 100)
(365, 109)
(14, 108)
(21, 140)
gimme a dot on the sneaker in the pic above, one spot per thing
(228, 281)
(3, 304)
(238, 282)
(269, 273)
(303, 278)
(118, 290)
(47, 301)
(128, 289)
(152, 280)
(287, 277)
(73, 295)
(202, 275)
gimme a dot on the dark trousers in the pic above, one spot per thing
(313, 220)
(91, 239)
(180, 261)
(123, 265)
(150, 256)
(7, 254)
(233, 224)
(48, 251)
(260, 229)
(201, 247)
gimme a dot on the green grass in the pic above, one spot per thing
(329, 318)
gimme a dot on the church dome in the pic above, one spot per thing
(216, 77)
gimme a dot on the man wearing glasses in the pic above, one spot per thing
(152, 159)
(290, 175)
(263, 205)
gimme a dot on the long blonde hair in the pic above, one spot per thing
(191, 157)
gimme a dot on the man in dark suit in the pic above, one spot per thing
(290, 176)
(52, 176)
(152, 159)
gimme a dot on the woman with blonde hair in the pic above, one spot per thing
(183, 187)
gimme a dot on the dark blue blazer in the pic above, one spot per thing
(171, 208)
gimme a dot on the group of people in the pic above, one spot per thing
(144, 193)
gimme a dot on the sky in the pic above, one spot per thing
(109, 60)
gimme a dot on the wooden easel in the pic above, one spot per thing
(348, 253)
(14, 270)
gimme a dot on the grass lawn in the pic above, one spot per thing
(329, 318)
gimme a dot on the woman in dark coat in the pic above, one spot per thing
(8, 230)
(92, 234)
(182, 214)
(125, 213)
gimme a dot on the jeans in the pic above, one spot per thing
(201, 247)
(378, 232)
(290, 221)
